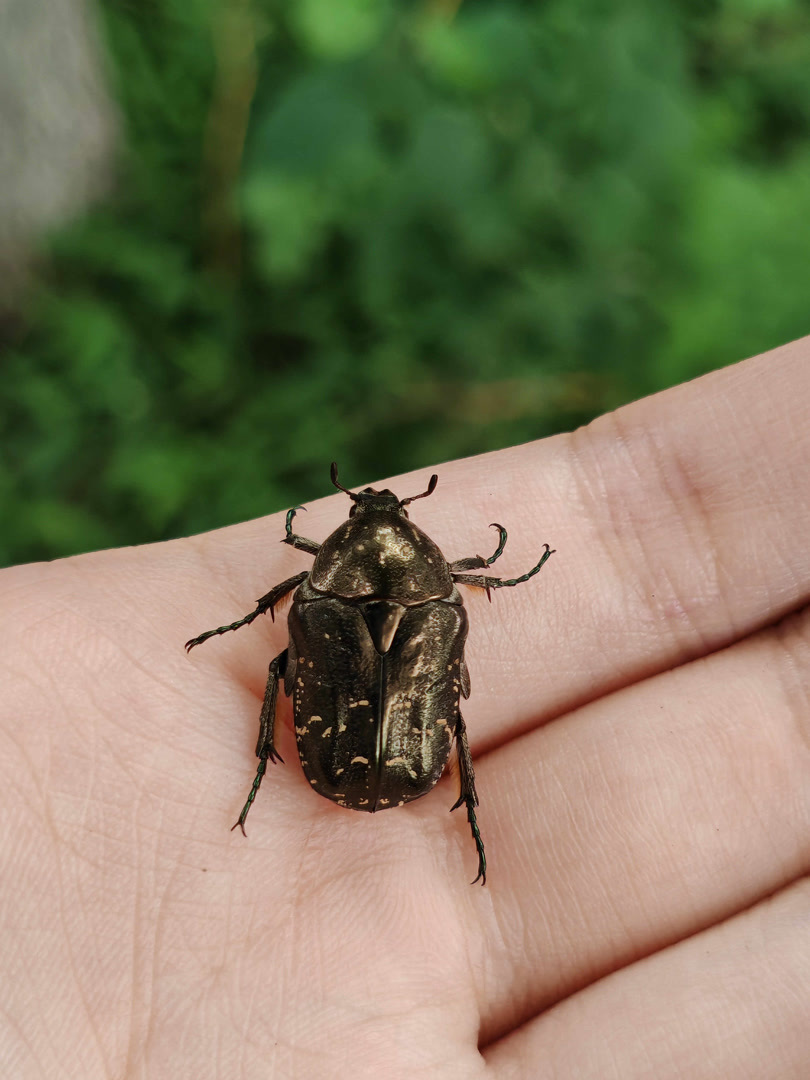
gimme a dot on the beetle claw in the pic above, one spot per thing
(189, 645)
(241, 825)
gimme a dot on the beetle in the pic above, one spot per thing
(375, 660)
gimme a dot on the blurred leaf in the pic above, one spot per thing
(336, 31)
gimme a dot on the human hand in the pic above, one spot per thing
(639, 717)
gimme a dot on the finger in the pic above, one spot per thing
(679, 524)
(641, 819)
(730, 1002)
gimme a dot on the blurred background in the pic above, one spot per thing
(242, 238)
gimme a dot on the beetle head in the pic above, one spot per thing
(371, 499)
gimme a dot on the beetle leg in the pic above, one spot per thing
(265, 747)
(482, 582)
(478, 562)
(468, 795)
(267, 717)
(266, 603)
(296, 541)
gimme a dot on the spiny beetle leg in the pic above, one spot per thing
(469, 795)
(269, 601)
(267, 717)
(296, 541)
(478, 562)
(263, 605)
(257, 783)
(265, 750)
(482, 582)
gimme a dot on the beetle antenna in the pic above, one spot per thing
(430, 489)
(340, 487)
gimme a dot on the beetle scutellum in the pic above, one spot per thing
(375, 661)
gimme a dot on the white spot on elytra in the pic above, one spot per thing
(316, 719)
(338, 772)
(326, 732)
(361, 760)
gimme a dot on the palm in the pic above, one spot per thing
(142, 938)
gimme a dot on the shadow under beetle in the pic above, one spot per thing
(375, 661)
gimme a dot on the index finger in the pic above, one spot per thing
(679, 523)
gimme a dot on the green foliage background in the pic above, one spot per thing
(391, 234)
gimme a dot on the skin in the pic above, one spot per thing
(640, 720)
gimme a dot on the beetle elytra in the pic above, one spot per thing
(375, 660)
